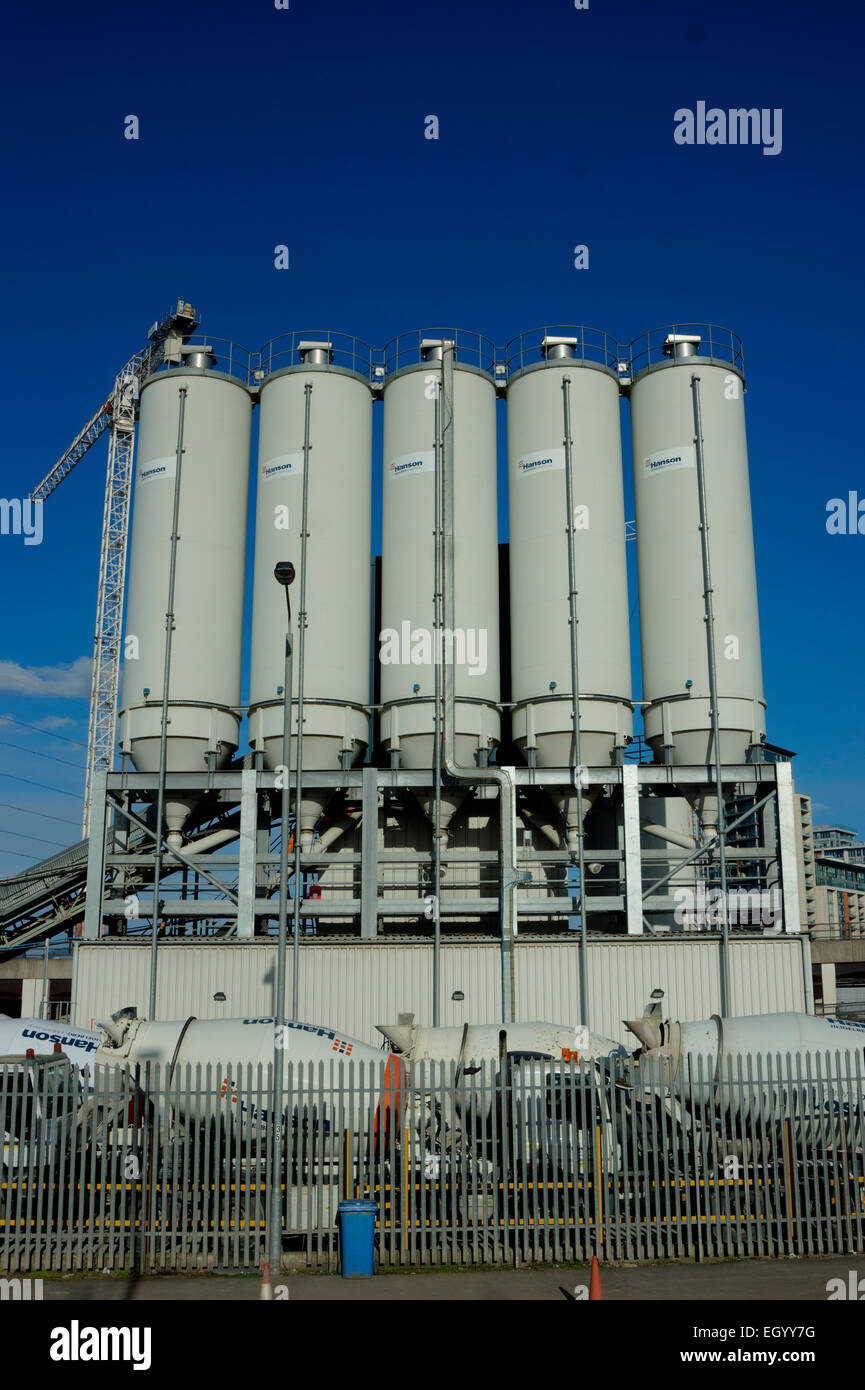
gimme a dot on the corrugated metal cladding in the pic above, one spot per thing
(354, 986)
(767, 977)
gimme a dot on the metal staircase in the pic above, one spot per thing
(49, 898)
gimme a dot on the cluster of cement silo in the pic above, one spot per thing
(316, 394)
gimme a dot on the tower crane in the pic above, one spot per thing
(117, 415)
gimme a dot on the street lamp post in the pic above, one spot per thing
(284, 574)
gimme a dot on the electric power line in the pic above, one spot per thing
(7, 718)
(19, 835)
(45, 787)
(28, 811)
(38, 754)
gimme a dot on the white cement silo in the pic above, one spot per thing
(407, 646)
(672, 609)
(538, 366)
(204, 686)
(336, 691)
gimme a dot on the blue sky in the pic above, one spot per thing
(261, 126)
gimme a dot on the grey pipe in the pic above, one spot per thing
(503, 776)
(437, 744)
(549, 832)
(214, 840)
(275, 1232)
(576, 760)
(663, 832)
(346, 822)
(703, 849)
(163, 732)
(131, 817)
(301, 633)
(73, 992)
(713, 691)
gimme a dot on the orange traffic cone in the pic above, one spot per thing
(267, 1288)
(595, 1282)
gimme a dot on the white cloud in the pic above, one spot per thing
(46, 724)
(63, 682)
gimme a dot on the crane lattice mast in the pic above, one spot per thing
(117, 415)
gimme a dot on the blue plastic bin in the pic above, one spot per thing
(357, 1226)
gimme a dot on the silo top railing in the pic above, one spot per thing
(648, 351)
(285, 351)
(223, 356)
(470, 349)
(590, 345)
(721, 344)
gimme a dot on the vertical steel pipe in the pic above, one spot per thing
(713, 693)
(163, 732)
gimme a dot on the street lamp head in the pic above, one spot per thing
(284, 572)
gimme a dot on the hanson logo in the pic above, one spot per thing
(541, 462)
(526, 465)
(89, 1043)
(405, 464)
(668, 460)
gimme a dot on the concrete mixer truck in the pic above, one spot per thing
(199, 1062)
(761, 1080)
(497, 1088)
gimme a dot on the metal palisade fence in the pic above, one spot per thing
(523, 1161)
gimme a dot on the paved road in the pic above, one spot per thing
(756, 1280)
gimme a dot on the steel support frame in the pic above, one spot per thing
(254, 860)
(247, 866)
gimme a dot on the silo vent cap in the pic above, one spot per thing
(315, 354)
(681, 344)
(432, 349)
(553, 348)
